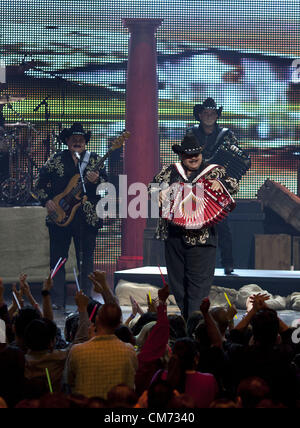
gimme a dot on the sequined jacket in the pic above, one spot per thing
(205, 236)
(56, 174)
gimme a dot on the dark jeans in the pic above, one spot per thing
(60, 241)
(190, 273)
(225, 243)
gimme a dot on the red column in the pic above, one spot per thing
(141, 160)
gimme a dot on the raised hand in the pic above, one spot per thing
(231, 312)
(100, 276)
(164, 292)
(82, 301)
(259, 301)
(136, 309)
(152, 304)
(98, 286)
(205, 305)
(48, 283)
(24, 286)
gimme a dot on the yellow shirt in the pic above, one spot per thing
(94, 367)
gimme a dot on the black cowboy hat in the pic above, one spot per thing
(76, 129)
(208, 103)
(190, 145)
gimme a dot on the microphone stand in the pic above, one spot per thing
(47, 141)
(31, 162)
(80, 224)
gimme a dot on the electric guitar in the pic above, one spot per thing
(68, 202)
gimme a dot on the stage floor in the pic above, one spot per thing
(282, 282)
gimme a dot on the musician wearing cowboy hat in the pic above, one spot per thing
(53, 179)
(212, 136)
(190, 253)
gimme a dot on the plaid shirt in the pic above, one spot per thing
(103, 362)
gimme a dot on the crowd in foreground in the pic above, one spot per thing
(152, 360)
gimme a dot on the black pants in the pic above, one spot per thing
(190, 273)
(4, 166)
(60, 241)
(225, 243)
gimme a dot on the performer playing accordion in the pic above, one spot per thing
(190, 234)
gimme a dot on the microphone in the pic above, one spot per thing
(77, 155)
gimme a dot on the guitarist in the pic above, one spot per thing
(53, 178)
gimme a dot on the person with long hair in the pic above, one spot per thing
(183, 376)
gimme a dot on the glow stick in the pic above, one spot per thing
(150, 300)
(61, 265)
(161, 274)
(76, 279)
(56, 266)
(17, 301)
(228, 302)
(49, 381)
(93, 311)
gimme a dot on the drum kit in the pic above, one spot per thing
(16, 163)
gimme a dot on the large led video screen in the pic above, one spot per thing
(73, 56)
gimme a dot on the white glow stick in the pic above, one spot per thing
(17, 301)
(54, 270)
(76, 279)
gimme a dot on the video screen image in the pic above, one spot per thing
(67, 61)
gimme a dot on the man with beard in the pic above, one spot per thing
(53, 178)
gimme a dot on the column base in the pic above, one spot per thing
(129, 262)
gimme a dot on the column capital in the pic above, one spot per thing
(142, 24)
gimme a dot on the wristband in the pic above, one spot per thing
(45, 293)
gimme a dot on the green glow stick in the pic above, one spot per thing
(49, 381)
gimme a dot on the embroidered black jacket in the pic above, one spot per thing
(56, 174)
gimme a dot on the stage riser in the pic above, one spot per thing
(275, 286)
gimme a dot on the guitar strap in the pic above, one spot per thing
(85, 161)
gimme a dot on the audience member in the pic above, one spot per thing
(40, 338)
(122, 396)
(125, 334)
(184, 378)
(104, 361)
(251, 392)
(3, 404)
(153, 352)
(264, 356)
(212, 363)
(177, 326)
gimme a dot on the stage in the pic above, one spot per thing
(277, 282)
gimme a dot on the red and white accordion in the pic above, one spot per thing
(195, 205)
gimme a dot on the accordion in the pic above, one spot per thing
(234, 160)
(195, 205)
